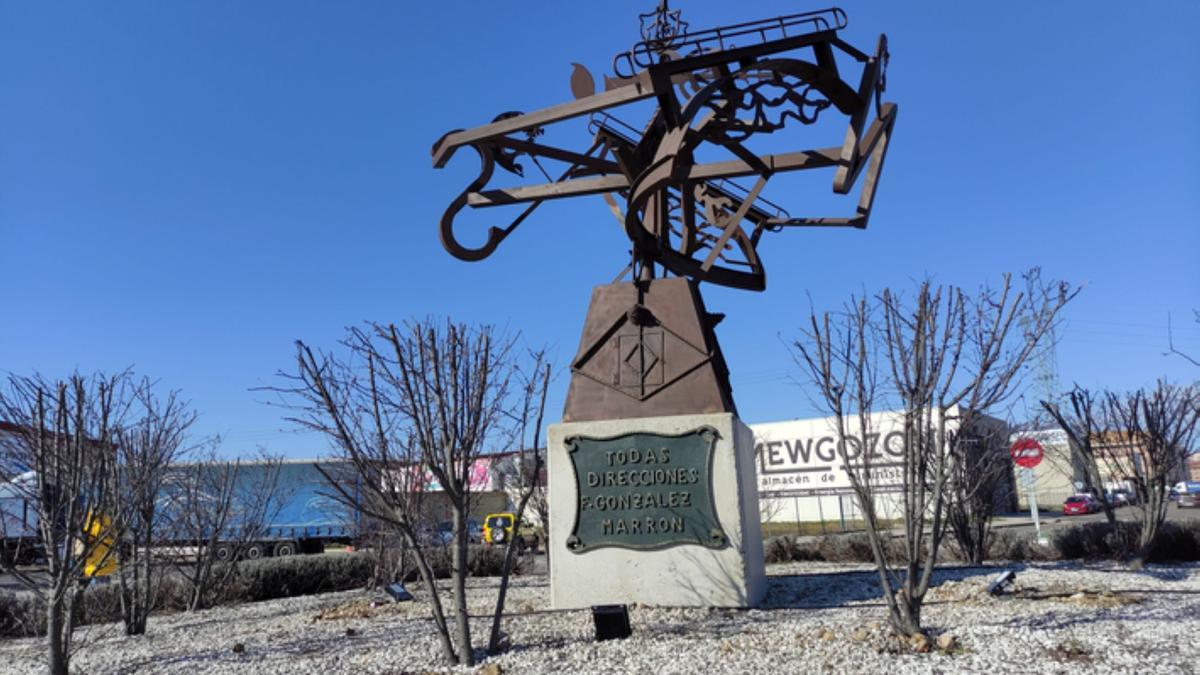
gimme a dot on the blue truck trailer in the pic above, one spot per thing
(303, 517)
(307, 515)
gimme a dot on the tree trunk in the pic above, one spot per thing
(57, 654)
(135, 597)
(435, 600)
(199, 584)
(1153, 515)
(1109, 513)
(466, 654)
(509, 550)
(494, 638)
(907, 621)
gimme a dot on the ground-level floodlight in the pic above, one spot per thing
(612, 622)
(1002, 582)
(398, 592)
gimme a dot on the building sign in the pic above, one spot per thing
(803, 458)
(644, 491)
(479, 477)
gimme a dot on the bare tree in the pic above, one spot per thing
(356, 411)
(408, 400)
(1084, 424)
(1150, 437)
(530, 459)
(65, 433)
(981, 478)
(219, 513)
(1141, 438)
(146, 449)
(941, 361)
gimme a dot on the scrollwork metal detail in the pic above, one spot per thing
(771, 96)
(714, 90)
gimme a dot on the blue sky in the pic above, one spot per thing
(186, 188)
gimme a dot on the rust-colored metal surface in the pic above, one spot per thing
(717, 94)
(648, 349)
(688, 186)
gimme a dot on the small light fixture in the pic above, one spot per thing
(612, 622)
(398, 592)
(1002, 582)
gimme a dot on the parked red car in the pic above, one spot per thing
(1080, 505)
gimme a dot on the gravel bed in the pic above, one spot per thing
(1063, 617)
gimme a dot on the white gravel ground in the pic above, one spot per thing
(821, 617)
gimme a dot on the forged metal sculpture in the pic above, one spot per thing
(715, 92)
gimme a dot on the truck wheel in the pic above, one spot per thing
(284, 549)
(498, 536)
(224, 552)
(253, 551)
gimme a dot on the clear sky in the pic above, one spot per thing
(188, 187)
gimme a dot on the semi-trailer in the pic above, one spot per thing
(300, 515)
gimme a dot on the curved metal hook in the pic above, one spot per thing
(487, 160)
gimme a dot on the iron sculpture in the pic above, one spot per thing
(715, 92)
(716, 87)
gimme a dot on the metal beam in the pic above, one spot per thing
(791, 161)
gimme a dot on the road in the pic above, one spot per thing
(1053, 520)
(10, 583)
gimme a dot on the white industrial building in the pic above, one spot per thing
(802, 474)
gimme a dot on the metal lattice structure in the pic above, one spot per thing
(713, 88)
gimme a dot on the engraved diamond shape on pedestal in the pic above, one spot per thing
(641, 365)
(639, 361)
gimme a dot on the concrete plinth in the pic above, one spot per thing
(721, 566)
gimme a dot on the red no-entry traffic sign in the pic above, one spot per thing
(1027, 452)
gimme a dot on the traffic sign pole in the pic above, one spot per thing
(1031, 494)
(1028, 453)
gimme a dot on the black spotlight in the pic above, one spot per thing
(398, 592)
(612, 621)
(1002, 582)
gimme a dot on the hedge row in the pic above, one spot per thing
(1177, 542)
(23, 613)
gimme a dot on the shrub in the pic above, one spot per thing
(272, 578)
(101, 603)
(1177, 542)
(779, 549)
(856, 547)
(482, 561)
(852, 547)
(1019, 546)
(1092, 540)
(22, 614)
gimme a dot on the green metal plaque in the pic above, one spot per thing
(644, 491)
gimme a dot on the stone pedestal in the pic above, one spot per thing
(657, 510)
